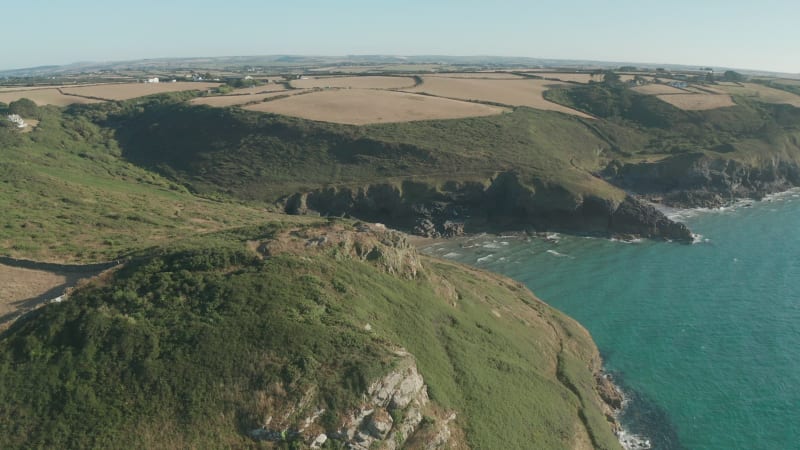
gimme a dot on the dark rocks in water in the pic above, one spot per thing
(452, 229)
(426, 228)
(448, 229)
(637, 218)
(698, 180)
(608, 391)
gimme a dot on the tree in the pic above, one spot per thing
(611, 77)
(730, 75)
(24, 107)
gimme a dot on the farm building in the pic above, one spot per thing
(152, 80)
(17, 120)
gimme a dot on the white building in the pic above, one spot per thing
(152, 80)
(17, 120)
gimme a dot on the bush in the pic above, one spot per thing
(24, 107)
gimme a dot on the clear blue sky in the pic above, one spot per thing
(733, 33)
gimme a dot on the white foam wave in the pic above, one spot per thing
(452, 255)
(560, 255)
(485, 258)
(633, 441)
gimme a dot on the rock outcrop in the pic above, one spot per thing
(700, 180)
(390, 412)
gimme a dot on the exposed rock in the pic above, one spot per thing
(401, 390)
(379, 423)
(636, 218)
(387, 249)
(506, 201)
(608, 391)
(700, 180)
(319, 441)
(452, 229)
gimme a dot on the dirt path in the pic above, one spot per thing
(27, 285)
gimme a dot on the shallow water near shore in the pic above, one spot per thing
(705, 338)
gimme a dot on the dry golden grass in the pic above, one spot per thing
(32, 88)
(478, 75)
(17, 285)
(127, 91)
(658, 89)
(787, 81)
(628, 77)
(365, 82)
(272, 87)
(23, 290)
(221, 101)
(31, 124)
(507, 92)
(44, 97)
(698, 102)
(574, 77)
(706, 89)
(365, 106)
(762, 93)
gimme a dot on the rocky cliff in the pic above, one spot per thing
(507, 200)
(701, 180)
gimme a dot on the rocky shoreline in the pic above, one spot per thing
(504, 202)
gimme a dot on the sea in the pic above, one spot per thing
(704, 339)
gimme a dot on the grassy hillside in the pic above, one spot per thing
(260, 156)
(639, 124)
(67, 195)
(180, 347)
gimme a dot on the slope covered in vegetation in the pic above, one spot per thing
(278, 333)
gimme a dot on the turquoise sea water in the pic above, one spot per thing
(705, 338)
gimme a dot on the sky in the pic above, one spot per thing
(762, 35)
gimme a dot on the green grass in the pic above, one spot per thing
(258, 156)
(67, 195)
(176, 347)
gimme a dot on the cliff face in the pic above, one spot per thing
(699, 180)
(506, 201)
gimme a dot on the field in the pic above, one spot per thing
(359, 107)
(132, 90)
(697, 102)
(366, 82)
(508, 92)
(271, 87)
(44, 97)
(18, 285)
(762, 93)
(32, 88)
(221, 101)
(787, 81)
(629, 77)
(574, 77)
(658, 89)
(478, 75)
(22, 290)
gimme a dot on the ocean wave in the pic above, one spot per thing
(451, 255)
(560, 255)
(484, 258)
(631, 441)
(627, 241)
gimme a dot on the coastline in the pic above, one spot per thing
(640, 423)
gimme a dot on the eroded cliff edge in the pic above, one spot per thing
(506, 201)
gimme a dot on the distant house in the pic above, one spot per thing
(17, 120)
(152, 80)
(679, 84)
